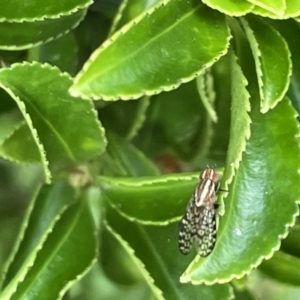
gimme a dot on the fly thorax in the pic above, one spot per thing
(205, 192)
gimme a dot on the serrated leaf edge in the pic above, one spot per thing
(253, 266)
(51, 17)
(154, 180)
(268, 14)
(20, 236)
(140, 117)
(266, 7)
(30, 45)
(257, 55)
(12, 287)
(60, 74)
(41, 149)
(10, 158)
(227, 12)
(204, 84)
(233, 165)
(117, 17)
(84, 272)
(148, 278)
(149, 180)
(9, 134)
(264, 257)
(124, 29)
(141, 221)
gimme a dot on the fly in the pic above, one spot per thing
(198, 224)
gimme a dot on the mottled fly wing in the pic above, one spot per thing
(205, 230)
(197, 227)
(187, 228)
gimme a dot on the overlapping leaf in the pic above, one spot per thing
(156, 247)
(254, 203)
(35, 10)
(48, 203)
(123, 159)
(221, 86)
(58, 232)
(9, 122)
(150, 199)
(272, 59)
(62, 52)
(15, 36)
(130, 115)
(52, 115)
(275, 6)
(290, 30)
(188, 136)
(131, 260)
(27, 152)
(283, 267)
(290, 9)
(232, 8)
(128, 10)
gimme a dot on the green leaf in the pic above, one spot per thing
(207, 93)
(44, 210)
(11, 57)
(272, 59)
(222, 88)
(156, 247)
(282, 267)
(130, 115)
(131, 261)
(123, 159)
(272, 289)
(188, 136)
(126, 67)
(275, 6)
(290, 31)
(62, 52)
(16, 36)
(71, 244)
(232, 8)
(95, 283)
(292, 9)
(291, 244)
(150, 199)
(35, 10)
(240, 124)
(254, 203)
(20, 146)
(241, 47)
(128, 10)
(116, 251)
(9, 122)
(243, 295)
(52, 115)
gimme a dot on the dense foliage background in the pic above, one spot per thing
(109, 111)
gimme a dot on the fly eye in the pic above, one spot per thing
(215, 177)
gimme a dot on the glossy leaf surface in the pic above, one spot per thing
(183, 38)
(272, 58)
(52, 115)
(156, 247)
(254, 200)
(66, 237)
(15, 36)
